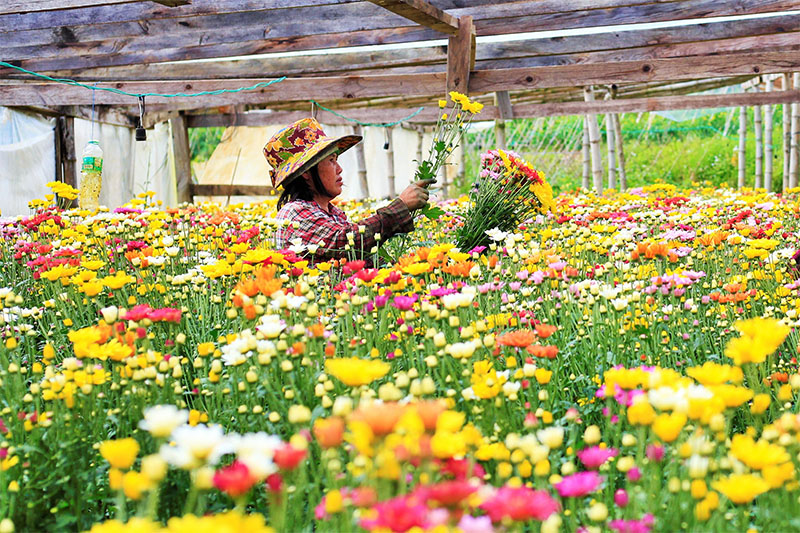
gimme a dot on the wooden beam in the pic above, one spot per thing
(429, 116)
(181, 158)
(103, 114)
(205, 189)
(22, 6)
(461, 56)
(16, 93)
(422, 13)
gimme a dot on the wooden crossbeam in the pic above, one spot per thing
(208, 189)
(422, 13)
(65, 46)
(490, 112)
(26, 6)
(409, 85)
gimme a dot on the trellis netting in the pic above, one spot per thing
(27, 159)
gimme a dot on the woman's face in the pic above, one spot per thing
(330, 174)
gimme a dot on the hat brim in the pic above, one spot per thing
(295, 167)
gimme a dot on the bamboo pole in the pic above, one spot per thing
(361, 161)
(768, 155)
(623, 178)
(795, 137)
(787, 133)
(742, 146)
(594, 143)
(587, 157)
(612, 163)
(759, 177)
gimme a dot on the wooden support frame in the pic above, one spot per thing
(206, 189)
(461, 56)
(181, 158)
(422, 13)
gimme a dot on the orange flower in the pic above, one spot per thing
(429, 412)
(519, 338)
(329, 431)
(545, 330)
(380, 417)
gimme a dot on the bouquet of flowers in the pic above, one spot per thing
(449, 129)
(507, 192)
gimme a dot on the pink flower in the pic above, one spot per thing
(472, 524)
(633, 526)
(655, 452)
(404, 303)
(579, 484)
(634, 474)
(595, 456)
(621, 497)
(519, 504)
(398, 514)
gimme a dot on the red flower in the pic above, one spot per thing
(450, 493)
(234, 480)
(274, 482)
(519, 504)
(288, 457)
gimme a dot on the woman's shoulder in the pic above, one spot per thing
(293, 209)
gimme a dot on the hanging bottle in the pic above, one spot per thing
(91, 176)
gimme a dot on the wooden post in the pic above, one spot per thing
(587, 157)
(623, 178)
(420, 139)
(461, 55)
(182, 158)
(787, 133)
(594, 143)
(742, 146)
(361, 161)
(65, 151)
(793, 155)
(759, 177)
(390, 162)
(768, 156)
(503, 103)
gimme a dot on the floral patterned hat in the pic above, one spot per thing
(299, 146)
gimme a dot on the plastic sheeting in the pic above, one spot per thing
(27, 160)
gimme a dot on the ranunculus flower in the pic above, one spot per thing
(234, 480)
(519, 504)
(288, 457)
(595, 456)
(579, 484)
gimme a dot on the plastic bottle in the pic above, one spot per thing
(91, 176)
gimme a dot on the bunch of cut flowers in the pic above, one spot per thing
(507, 192)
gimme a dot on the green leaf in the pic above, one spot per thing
(432, 212)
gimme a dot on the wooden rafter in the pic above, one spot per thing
(422, 13)
(190, 32)
(11, 7)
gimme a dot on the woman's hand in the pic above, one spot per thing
(415, 196)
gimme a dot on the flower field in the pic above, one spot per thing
(626, 363)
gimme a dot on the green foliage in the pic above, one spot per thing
(203, 141)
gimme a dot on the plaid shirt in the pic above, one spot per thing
(312, 225)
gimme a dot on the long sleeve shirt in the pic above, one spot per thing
(306, 223)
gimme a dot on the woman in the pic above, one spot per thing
(304, 163)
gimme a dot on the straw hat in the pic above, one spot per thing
(299, 146)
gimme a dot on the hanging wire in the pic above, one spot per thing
(375, 124)
(92, 137)
(68, 81)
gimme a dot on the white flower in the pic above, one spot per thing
(192, 446)
(271, 326)
(552, 437)
(496, 234)
(161, 420)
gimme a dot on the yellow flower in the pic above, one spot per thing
(354, 372)
(134, 484)
(120, 453)
(333, 501)
(760, 404)
(134, 525)
(118, 280)
(760, 337)
(442, 104)
(228, 521)
(741, 488)
(715, 374)
(641, 412)
(669, 426)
